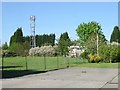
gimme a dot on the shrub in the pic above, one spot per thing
(7, 53)
(115, 53)
(97, 59)
(84, 55)
(94, 58)
(43, 50)
(5, 46)
(91, 58)
(110, 53)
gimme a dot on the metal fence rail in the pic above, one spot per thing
(38, 63)
(20, 66)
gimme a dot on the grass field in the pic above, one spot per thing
(49, 63)
(99, 65)
(38, 63)
(20, 66)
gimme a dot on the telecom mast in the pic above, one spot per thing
(32, 27)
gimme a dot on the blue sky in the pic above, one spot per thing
(53, 17)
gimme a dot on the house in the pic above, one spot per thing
(75, 51)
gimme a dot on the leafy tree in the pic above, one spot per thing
(85, 29)
(26, 47)
(115, 36)
(63, 43)
(109, 53)
(74, 42)
(114, 53)
(5, 46)
(16, 47)
(84, 55)
(104, 52)
(91, 43)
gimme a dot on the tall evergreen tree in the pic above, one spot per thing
(52, 39)
(45, 39)
(63, 43)
(17, 37)
(115, 36)
(16, 42)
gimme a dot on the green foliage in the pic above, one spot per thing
(104, 52)
(42, 40)
(84, 55)
(20, 49)
(26, 47)
(110, 53)
(115, 53)
(17, 48)
(5, 46)
(26, 38)
(85, 29)
(52, 39)
(115, 36)
(91, 43)
(17, 37)
(16, 42)
(74, 43)
(63, 43)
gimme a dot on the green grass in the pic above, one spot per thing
(99, 65)
(16, 66)
(38, 63)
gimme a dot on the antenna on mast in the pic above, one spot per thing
(32, 27)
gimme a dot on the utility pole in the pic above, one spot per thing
(97, 44)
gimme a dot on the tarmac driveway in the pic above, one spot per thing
(67, 78)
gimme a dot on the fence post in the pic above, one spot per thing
(2, 62)
(45, 62)
(26, 62)
(68, 64)
(76, 59)
(57, 62)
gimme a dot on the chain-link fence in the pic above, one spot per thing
(36, 64)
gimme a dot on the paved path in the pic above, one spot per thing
(67, 78)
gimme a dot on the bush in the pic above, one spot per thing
(91, 58)
(110, 53)
(84, 55)
(94, 58)
(17, 48)
(43, 50)
(104, 52)
(115, 53)
(97, 59)
(7, 53)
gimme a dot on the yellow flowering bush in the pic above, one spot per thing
(97, 59)
(94, 58)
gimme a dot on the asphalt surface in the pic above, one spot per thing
(67, 78)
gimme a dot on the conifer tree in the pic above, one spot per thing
(115, 36)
